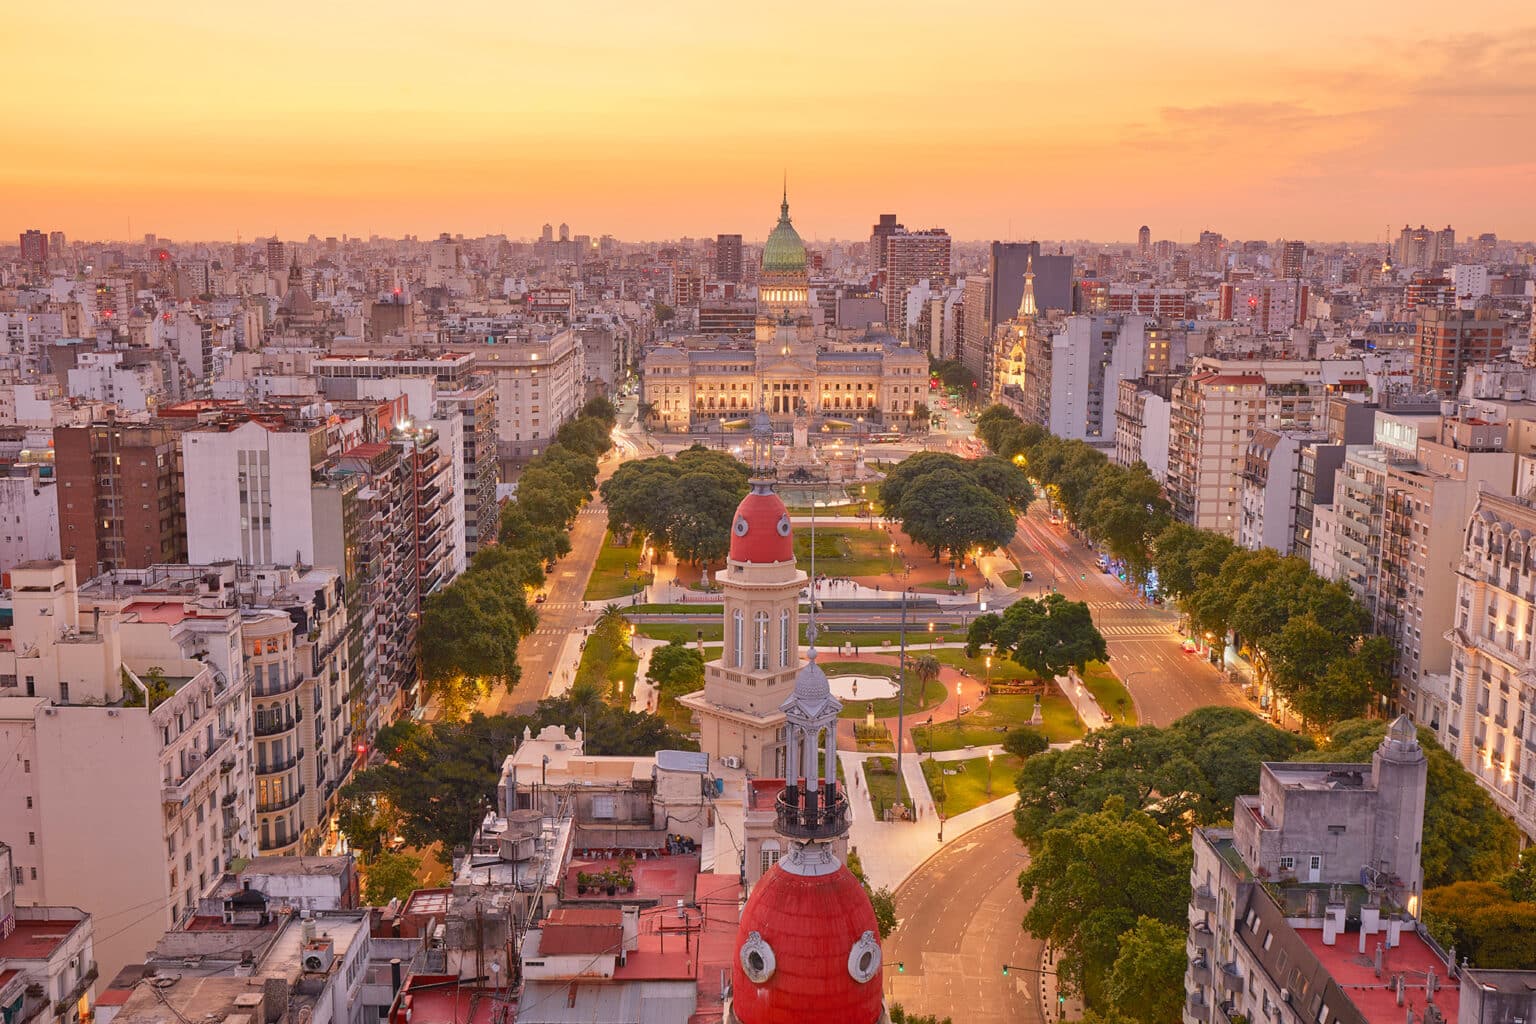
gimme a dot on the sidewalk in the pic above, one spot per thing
(1084, 703)
(644, 698)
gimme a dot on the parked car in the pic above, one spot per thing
(1028, 576)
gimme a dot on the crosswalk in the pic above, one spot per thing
(1116, 606)
(1149, 630)
(593, 509)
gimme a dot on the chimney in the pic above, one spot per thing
(630, 919)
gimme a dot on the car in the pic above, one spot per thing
(540, 599)
(1190, 647)
(1028, 576)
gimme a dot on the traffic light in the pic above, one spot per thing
(901, 967)
(1005, 970)
(1061, 1003)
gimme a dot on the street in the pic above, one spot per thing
(960, 922)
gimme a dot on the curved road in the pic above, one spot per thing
(960, 921)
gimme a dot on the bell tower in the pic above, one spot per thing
(739, 708)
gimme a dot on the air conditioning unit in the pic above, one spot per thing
(731, 761)
(319, 954)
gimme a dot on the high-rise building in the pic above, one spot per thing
(728, 258)
(1423, 248)
(1267, 305)
(1144, 241)
(886, 227)
(1293, 259)
(565, 232)
(121, 495)
(277, 257)
(910, 257)
(34, 246)
(1450, 341)
(1072, 373)
(547, 233)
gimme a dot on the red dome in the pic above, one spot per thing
(809, 928)
(760, 531)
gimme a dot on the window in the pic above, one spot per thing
(784, 638)
(770, 858)
(1287, 863)
(739, 640)
(603, 806)
(31, 838)
(32, 872)
(760, 650)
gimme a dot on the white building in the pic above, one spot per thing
(249, 494)
(48, 967)
(1470, 283)
(163, 789)
(1269, 489)
(102, 376)
(1076, 390)
(29, 516)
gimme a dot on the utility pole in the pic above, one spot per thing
(901, 688)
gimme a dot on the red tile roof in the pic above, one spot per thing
(1355, 973)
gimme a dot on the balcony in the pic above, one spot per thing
(1202, 898)
(1201, 935)
(88, 975)
(1231, 977)
(274, 767)
(266, 726)
(278, 688)
(274, 806)
(1200, 970)
(277, 846)
(1196, 1004)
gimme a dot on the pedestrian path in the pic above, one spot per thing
(644, 698)
(1083, 702)
(1150, 629)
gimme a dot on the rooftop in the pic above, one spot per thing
(1355, 974)
(36, 940)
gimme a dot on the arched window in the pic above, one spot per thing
(739, 640)
(760, 653)
(784, 638)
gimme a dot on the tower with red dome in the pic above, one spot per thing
(808, 945)
(739, 713)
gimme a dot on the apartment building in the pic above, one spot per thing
(1141, 423)
(1271, 489)
(1072, 373)
(121, 495)
(1215, 411)
(1307, 909)
(29, 513)
(1491, 712)
(126, 723)
(538, 379)
(48, 969)
(911, 257)
(1449, 342)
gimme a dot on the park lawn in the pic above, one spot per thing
(864, 743)
(679, 631)
(675, 715)
(680, 608)
(849, 511)
(967, 788)
(1110, 692)
(1011, 579)
(875, 641)
(933, 695)
(608, 579)
(885, 786)
(940, 588)
(846, 551)
(989, 723)
(610, 665)
(1003, 669)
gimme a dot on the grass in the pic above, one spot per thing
(933, 692)
(917, 633)
(885, 786)
(967, 788)
(608, 579)
(676, 609)
(1002, 668)
(987, 724)
(608, 664)
(845, 551)
(940, 588)
(850, 511)
(878, 738)
(1011, 578)
(1110, 692)
(680, 631)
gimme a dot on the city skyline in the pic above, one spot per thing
(368, 122)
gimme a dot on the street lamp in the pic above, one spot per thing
(989, 675)
(989, 772)
(959, 695)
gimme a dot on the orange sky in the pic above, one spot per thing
(993, 118)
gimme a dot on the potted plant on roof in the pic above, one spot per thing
(583, 883)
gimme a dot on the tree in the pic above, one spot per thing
(1048, 635)
(646, 410)
(922, 417)
(676, 668)
(1092, 881)
(1025, 742)
(469, 635)
(926, 667)
(601, 409)
(1005, 480)
(945, 511)
(1124, 511)
(884, 906)
(1185, 557)
(899, 1015)
(699, 517)
(609, 731)
(390, 876)
(1465, 836)
(1478, 918)
(1520, 883)
(362, 819)
(664, 313)
(1146, 983)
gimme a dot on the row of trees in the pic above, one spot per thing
(1308, 637)
(1108, 822)
(947, 503)
(471, 628)
(683, 503)
(1047, 635)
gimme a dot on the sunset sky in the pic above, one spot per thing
(993, 118)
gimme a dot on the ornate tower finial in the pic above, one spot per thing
(1027, 308)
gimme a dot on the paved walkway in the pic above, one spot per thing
(1084, 702)
(644, 698)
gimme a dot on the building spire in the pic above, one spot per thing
(784, 206)
(1027, 310)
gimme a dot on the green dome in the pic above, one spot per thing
(784, 252)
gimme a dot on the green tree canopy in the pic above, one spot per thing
(1186, 557)
(1124, 510)
(676, 668)
(1146, 983)
(1025, 742)
(390, 876)
(1486, 926)
(946, 511)
(1092, 880)
(1046, 635)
